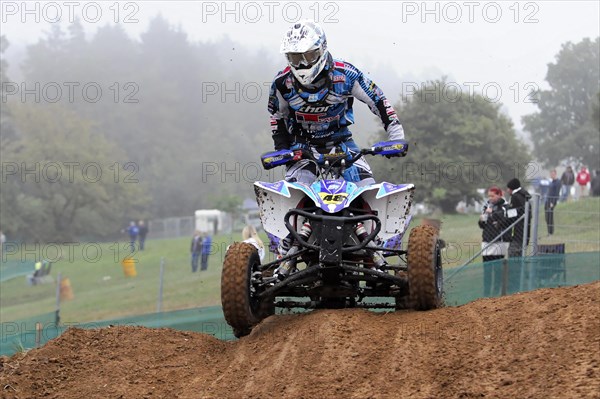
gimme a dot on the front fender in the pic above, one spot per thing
(275, 200)
(392, 203)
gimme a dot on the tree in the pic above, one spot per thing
(596, 112)
(457, 144)
(7, 131)
(564, 126)
(178, 109)
(64, 182)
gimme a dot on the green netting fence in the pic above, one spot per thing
(19, 335)
(461, 285)
(15, 268)
(22, 334)
(508, 276)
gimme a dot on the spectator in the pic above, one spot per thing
(133, 232)
(519, 197)
(143, 232)
(544, 188)
(37, 271)
(493, 221)
(551, 201)
(567, 179)
(2, 241)
(250, 236)
(541, 185)
(196, 250)
(583, 178)
(206, 246)
(595, 184)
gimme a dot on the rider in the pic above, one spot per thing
(311, 100)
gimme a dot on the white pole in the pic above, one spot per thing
(524, 248)
(160, 285)
(57, 316)
(535, 223)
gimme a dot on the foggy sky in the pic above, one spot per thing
(500, 49)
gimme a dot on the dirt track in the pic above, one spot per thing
(543, 344)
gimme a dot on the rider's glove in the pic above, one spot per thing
(297, 155)
(388, 156)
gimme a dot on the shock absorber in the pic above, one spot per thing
(360, 231)
(289, 265)
(285, 245)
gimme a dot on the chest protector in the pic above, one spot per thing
(320, 113)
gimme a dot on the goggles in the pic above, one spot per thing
(307, 59)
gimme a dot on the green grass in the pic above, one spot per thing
(103, 292)
(577, 224)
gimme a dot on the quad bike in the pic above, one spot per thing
(334, 236)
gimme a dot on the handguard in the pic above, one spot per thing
(273, 159)
(395, 148)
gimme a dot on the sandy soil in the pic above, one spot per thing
(542, 344)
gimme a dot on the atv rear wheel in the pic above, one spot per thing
(241, 306)
(424, 268)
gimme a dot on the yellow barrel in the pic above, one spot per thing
(66, 293)
(129, 267)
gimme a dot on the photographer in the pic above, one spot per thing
(493, 221)
(551, 201)
(519, 197)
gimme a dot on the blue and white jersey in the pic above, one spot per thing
(324, 114)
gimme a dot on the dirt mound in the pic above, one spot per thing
(540, 344)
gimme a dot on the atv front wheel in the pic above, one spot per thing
(424, 268)
(241, 306)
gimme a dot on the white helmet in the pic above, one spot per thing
(305, 47)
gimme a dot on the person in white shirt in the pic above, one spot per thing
(250, 236)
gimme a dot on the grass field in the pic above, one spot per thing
(102, 291)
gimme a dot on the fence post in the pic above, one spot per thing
(525, 229)
(524, 247)
(160, 285)
(534, 240)
(57, 314)
(504, 276)
(38, 334)
(535, 224)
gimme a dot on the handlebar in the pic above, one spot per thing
(396, 148)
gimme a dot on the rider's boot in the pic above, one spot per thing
(377, 260)
(286, 248)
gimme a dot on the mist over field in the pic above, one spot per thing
(130, 110)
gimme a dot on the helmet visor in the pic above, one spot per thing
(307, 59)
